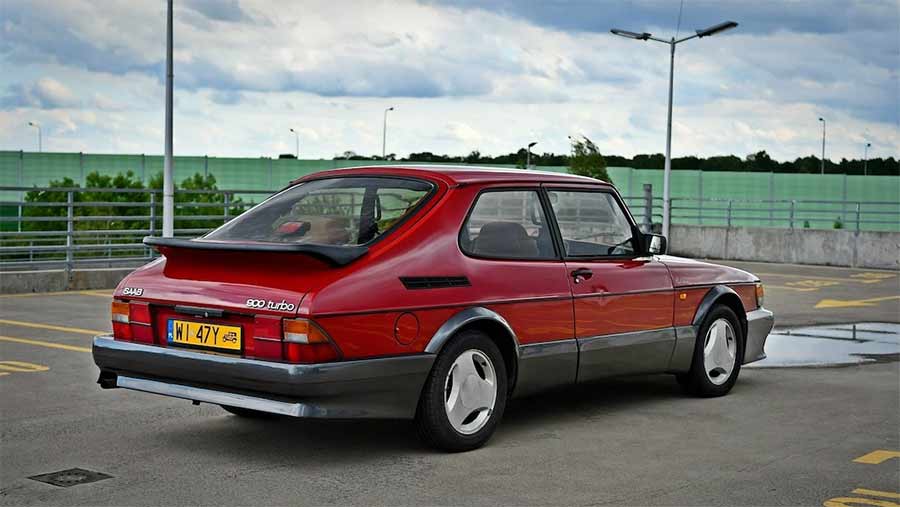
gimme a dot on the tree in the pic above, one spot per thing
(586, 159)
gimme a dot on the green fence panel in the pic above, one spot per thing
(878, 195)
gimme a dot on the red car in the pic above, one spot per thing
(433, 293)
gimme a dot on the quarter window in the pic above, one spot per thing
(507, 224)
(592, 224)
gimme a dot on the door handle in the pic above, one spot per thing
(581, 274)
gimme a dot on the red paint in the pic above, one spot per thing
(367, 312)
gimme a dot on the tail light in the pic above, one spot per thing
(131, 321)
(760, 295)
(305, 342)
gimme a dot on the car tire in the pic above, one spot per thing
(248, 413)
(465, 394)
(718, 351)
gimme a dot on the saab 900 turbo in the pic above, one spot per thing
(433, 293)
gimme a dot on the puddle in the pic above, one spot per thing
(831, 345)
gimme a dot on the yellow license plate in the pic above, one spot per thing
(201, 334)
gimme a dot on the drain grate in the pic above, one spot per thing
(70, 477)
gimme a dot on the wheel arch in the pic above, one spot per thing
(725, 295)
(492, 324)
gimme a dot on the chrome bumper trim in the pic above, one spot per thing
(220, 398)
(759, 323)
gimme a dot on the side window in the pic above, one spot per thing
(592, 224)
(507, 224)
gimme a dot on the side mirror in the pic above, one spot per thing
(656, 244)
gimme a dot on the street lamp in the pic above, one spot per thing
(823, 144)
(168, 225)
(384, 134)
(40, 135)
(644, 36)
(866, 159)
(528, 156)
(296, 143)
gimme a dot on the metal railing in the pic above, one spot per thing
(792, 214)
(69, 232)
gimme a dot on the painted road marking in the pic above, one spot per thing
(813, 284)
(97, 293)
(92, 332)
(877, 457)
(873, 276)
(833, 279)
(798, 289)
(19, 366)
(873, 492)
(852, 303)
(846, 501)
(39, 343)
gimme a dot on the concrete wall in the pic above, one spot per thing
(865, 249)
(18, 282)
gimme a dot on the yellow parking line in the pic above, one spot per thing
(876, 457)
(872, 492)
(99, 293)
(798, 289)
(59, 293)
(810, 277)
(78, 330)
(39, 343)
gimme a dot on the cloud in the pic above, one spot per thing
(219, 10)
(45, 93)
(465, 74)
(819, 16)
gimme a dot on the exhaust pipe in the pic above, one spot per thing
(107, 380)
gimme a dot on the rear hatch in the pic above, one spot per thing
(227, 297)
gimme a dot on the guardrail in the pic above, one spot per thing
(791, 214)
(68, 232)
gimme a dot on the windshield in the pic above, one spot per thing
(332, 211)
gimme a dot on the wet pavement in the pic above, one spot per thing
(832, 345)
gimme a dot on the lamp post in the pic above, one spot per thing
(296, 143)
(823, 144)
(644, 36)
(168, 181)
(384, 134)
(40, 135)
(528, 155)
(866, 159)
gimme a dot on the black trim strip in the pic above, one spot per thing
(623, 293)
(199, 311)
(434, 282)
(335, 255)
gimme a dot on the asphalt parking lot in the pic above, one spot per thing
(784, 436)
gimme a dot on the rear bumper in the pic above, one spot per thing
(759, 324)
(371, 388)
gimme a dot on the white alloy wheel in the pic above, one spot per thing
(719, 352)
(470, 391)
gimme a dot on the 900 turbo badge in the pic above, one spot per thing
(282, 306)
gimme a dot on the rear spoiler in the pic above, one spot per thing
(332, 254)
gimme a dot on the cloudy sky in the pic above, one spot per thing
(463, 75)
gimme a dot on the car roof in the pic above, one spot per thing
(459, 174)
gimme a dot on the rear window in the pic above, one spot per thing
(332, 211)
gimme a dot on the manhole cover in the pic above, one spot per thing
(71, 477)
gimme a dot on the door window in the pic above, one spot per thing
(507, 224)
(592, 224)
